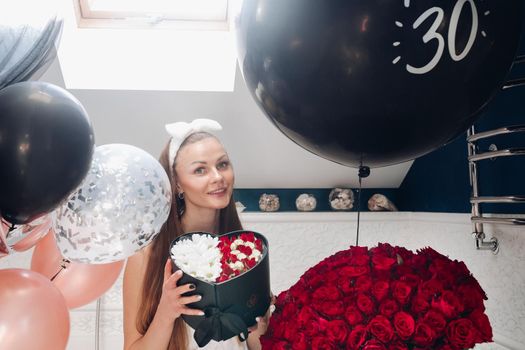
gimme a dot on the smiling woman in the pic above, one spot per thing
(202, 179)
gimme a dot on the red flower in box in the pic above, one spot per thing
(238, 254)
(384, 298)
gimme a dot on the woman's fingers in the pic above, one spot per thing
(185, 288)
(192, 312)
(172, 280)
(190, 299)
(167, 270)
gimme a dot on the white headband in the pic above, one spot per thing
(179, 131)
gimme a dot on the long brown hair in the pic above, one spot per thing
(159, 252)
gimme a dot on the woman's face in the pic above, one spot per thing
(205, 174)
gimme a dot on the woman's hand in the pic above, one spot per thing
(260, 327)
(172, 302)
(262, 322)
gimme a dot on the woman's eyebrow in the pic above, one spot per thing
(198, 162)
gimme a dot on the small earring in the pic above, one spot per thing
(180, 195)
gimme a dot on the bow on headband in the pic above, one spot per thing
(179, 131)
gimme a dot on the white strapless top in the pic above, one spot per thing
(230, 344)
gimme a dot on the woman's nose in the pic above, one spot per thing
(216, 175)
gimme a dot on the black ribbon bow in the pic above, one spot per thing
(217, 323)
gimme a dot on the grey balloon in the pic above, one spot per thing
(118, 209)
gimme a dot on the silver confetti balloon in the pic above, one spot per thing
(118, 209)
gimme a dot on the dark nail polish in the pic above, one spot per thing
(192, 286)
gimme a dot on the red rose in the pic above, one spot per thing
(289, 333)
(374, 344)
(470, 296)
(382, 262)
(251, 263)
(337, 331)
(356, 338)
(411, 279)
(363, 284)
(431, 288)
(247, 237)
(445, 347)
(327, 293)
(300, 341)
(397, 345)
(380, 290)
(448, 304)
(332, 278)
(423, 334)
(357, 251)
(381, 328)
(481, 321)
(313, 279)
(274, 345)
(365, 304)
(259, 245)
(388, 308)
(329, 308)
(321, 343)
(346, 285)
(404, 325)
(353, 271)
(306, 315)
(353, 316)
(315, 327)
(419, 304)
(300, 294)
(417, 262)
(276, 329)
(404, 253)
(461, 334)
(245, 249)
(401, 291)
(359, 260)
(436, 321)
(289, 311)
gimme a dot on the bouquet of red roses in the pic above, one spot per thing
(384, 298)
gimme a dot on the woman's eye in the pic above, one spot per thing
(200, 171)
(223, 165)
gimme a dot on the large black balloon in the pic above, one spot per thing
(46, 145)
(375, 81)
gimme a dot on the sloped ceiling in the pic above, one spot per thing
(262, 156)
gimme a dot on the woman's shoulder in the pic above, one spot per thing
(137, 263)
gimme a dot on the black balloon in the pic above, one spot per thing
(374, 81)
(46, 146)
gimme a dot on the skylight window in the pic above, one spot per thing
(206, 10)
(179, 45)
(154, 11)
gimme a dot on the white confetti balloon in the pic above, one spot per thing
(118, 209)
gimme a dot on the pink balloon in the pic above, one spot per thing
(79, 283)
(26, 236)
(33, 312)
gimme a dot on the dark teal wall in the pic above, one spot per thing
(439, 181)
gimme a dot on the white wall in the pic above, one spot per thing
(299, 240)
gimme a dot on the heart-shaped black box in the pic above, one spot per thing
(246, 296)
